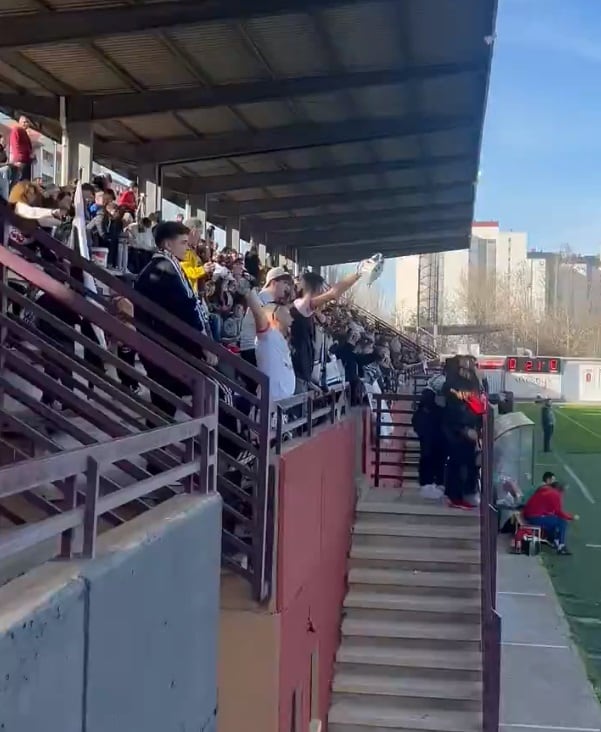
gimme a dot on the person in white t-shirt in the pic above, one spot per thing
(278, 288)
(272, 322)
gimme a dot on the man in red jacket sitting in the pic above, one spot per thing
(545, 509)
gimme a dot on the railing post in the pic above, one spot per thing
(310, 415)
(204, 449)
(332, 396)
(90, 516)
(377, 451)
(279, 419)
(70, 503)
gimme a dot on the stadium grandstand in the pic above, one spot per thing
(202, 439)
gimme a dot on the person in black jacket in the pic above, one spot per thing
(311, 297)
(164, 282)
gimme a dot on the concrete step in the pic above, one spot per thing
(396, 532)
(431, 635)
(407, 558)
(409, 689)
(360, 603)
(357, 716)
(365, 654)
(414, 580)
(416, 513)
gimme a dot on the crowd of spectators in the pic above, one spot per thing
(294, 328)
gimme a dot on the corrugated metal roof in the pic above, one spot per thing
(76, 67)
(147, 59)
(374, 34)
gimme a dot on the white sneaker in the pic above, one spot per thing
(473, 500)
(431, 492)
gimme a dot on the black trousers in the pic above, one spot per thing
(432, 461)
(547, 435)
(462, 470)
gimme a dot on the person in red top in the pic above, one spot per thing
(545, 509)
(20, 151)
(128, 200)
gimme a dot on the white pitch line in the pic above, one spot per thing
(547, 728)
(593, 546)
(583, 489)
(522, 594)
(534, 645)
(582, 426)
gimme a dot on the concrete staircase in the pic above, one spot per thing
(410, 657)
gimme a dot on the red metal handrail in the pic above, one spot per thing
(171, 358)
(197, 435)
(491, 620)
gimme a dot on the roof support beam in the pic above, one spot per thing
(35, 29)
(223, 183)
(291, 137)
(292, 203)
(392, 230)
(321, 223)
(118, 106)
(354, 252)
(32, 104)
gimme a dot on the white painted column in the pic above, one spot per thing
(232, 234)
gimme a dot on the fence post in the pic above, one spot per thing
(90, 516)
(70, 503)
(279, 418)
(310, 415)
(204, 448)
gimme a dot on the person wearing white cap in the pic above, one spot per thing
(278, 287)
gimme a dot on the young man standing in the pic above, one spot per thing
(548, 424)
(20, 149)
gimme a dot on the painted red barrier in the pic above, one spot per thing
(316, 500)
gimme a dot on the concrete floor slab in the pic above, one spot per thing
(544, 687)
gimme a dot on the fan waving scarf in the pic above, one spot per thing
(372, 268)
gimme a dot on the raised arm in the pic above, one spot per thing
(256, 308)
(335, 291)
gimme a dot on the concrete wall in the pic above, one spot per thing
(127, 641)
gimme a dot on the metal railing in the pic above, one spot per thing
(195, 473)
(411, 346)
(392, 450)
(82, 385)
(491, 620)
(300, 414)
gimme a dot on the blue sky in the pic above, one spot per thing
(541, 157)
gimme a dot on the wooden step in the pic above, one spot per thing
(357, 716)
(415, 512)
(409, 685)
(395, 531)
(365, 653)
(424, 631)
(465, 608)
(407, 558)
